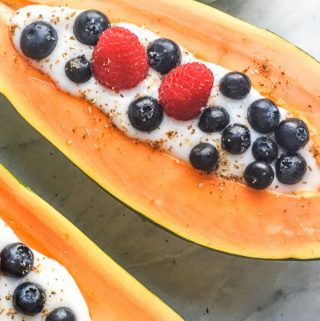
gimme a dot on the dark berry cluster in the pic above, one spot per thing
(39, 39)
(264, 117)
(17, 261)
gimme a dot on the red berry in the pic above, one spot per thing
(185, 90)
(119, 61)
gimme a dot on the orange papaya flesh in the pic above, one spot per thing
(110, 292)
(216, 213)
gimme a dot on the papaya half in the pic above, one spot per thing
(109, 291)
(211, 211)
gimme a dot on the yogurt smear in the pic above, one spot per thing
(60, 288)
(177, 137)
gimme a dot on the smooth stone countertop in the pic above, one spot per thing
(200, 284)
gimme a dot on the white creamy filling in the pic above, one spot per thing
(177, 137)
(60, 288)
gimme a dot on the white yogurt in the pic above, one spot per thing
(177, 137)
(61, 289)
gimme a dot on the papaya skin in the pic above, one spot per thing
(213, 212)
(110, 292)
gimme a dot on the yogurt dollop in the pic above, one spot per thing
(60, 288)
(176, 137)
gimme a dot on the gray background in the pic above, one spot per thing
(199, 283)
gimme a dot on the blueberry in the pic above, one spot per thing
(292, 134)
(290, 168)
(263, 115)
(16, 260)
(145, 113)
(213, 119)
(236, 139)
(235, 85)
(78, 69)
(265, 149)
(204, 157)
(164, 55)
(38, 40)
(61, 314)
(259, 175)
(29, 298)
(89, 25)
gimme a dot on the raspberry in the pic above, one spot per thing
(119, 61)
(185, 90)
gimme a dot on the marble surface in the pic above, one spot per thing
(200, 284)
